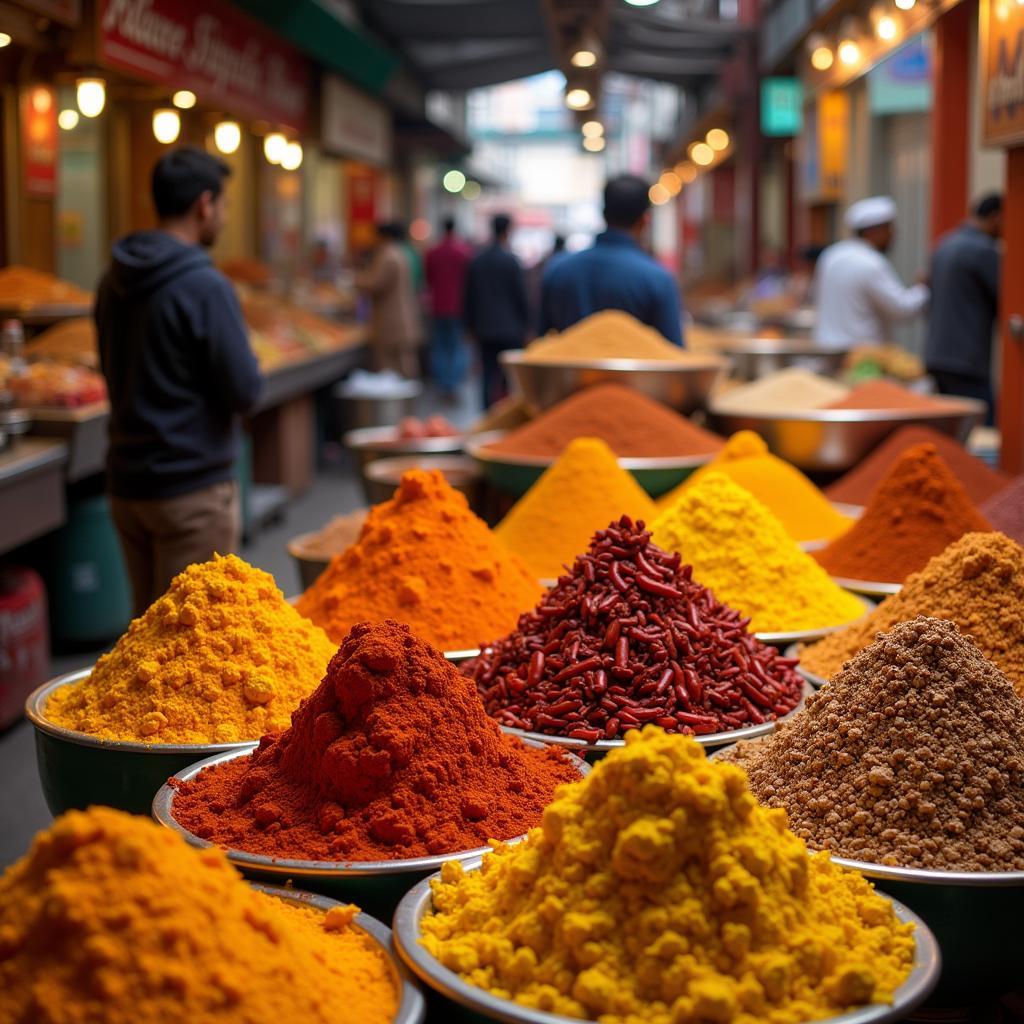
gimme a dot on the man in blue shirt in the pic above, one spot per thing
(615, 273)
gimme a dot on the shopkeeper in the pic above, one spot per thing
(859, 295)
(175, 352)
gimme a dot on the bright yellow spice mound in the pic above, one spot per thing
(220, 658)
(658, 890)
(582, 492)
(111, 918)
(802, 509)
(743, 553)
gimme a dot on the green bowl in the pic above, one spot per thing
(77, 770)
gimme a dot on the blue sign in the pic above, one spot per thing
(782, 107)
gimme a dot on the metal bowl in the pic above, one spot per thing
(871, 589)
(681, 386)
(834, 440)
(806, 636)
(516, 474)
(309, 568)
(77, 770)
(370, 443)
(382, 477)
(412, 1006)
(374, 885)
(754, 358)
(417, 904)
(793, 651)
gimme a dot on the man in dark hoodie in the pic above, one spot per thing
(175, 352)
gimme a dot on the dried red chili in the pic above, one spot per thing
(627, 638)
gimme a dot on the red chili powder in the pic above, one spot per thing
(883, 394)
(916, 512)
(391, 757)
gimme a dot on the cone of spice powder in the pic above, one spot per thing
(916, 512)
(391, 757)
(627, 638)
(920, 705)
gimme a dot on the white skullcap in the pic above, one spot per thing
(869, 213)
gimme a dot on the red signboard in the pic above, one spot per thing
(223, 56)
(67, 12)
(39, 140)
(361, 189)
(1002, 73)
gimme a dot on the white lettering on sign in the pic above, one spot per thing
(138, 22)
(1006, 86)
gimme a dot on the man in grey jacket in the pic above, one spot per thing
(965, 299)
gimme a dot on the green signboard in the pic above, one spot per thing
(782, 107)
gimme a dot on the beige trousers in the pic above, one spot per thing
(162, 536)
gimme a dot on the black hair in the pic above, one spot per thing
(626, 200)
(448, 225)
(500, 223)
(811, 253)
(392, 229)
(559, 243)
(988, 204)
(182, 176)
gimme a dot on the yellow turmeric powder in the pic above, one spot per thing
(742, 552)
(424, 559)
(658, 889)
(220, 658)
(111, 918)
(801, 508)
(582, 492)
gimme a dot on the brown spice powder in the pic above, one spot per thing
(913, 755)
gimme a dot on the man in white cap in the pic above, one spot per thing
(858, 293)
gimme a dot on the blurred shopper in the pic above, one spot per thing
(395, 327)
(615, 273)
(175, 352)
(964, 280)
(535, 275)
(447, 263)
(496, 311)
(858, 293)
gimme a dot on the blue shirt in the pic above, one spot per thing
(615, 273)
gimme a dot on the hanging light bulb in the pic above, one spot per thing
(578, 99)
(471, 190)
(592, 129)
(822, 58)
(583, 59)
(227, 136)
(886, 28)
(717, 139)
(292, 159)
(274, 146)
(658, 194)
(5, 40)
(687, 172)
(905, 5)
(593, 143)
(166, 125)
(91, 96)
(184, 99)
(670, 182)
(849, 52)
(701, 154)
(68, 119)
(454, 181)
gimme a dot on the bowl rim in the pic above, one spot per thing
(963, 407)
(385, 438)
(35, 712)
(923, 976)
(812, 678)
(707, 362)
(764, 345)
(411, 1001)
(809, 635)
(870, 588)
(163, 814)
(378, 468)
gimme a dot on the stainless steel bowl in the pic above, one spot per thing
(870, 589)
(834, 440)
(78, 770)
(793, 651)
(753, 358)
(370, 443)
(417, 904)
(806, 636)
(412, 1006)
(681, 386)
(382, 476)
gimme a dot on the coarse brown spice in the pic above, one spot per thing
(913, 755)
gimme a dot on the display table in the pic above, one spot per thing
(31, 490)
(85, 431)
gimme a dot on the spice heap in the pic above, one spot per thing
(630, 423)
(884, 394)
(112, 918)
(912, 755)
(68, 341)
(579, 494)
(220, 658)
(392, 757)
(658, 890)
(333, 538)
(743, 553)
(1006, 510)
(786, 391)
(24, 288)
(626, 638)
(801, 508)
(610, 334)
(423, 558)
(917, 511)
(978, 583)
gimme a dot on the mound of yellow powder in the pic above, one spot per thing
(801, 508)
(424, 559)
(743, 553)
(220, 658)
(111, 918)
(658, 890)
(580, 493)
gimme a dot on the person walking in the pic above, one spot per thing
(446, 266)
(496, 311)
(964, 279)
(859, 295)
(174, 350)
(395, 329)
(615, 273)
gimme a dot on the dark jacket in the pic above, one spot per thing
(175, 352)
(495, 308)
(964, 281)
(615, 273)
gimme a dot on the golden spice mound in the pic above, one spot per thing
(111, 918)
(220, 658)
(657, 889)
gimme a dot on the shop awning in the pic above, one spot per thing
(419, 132)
